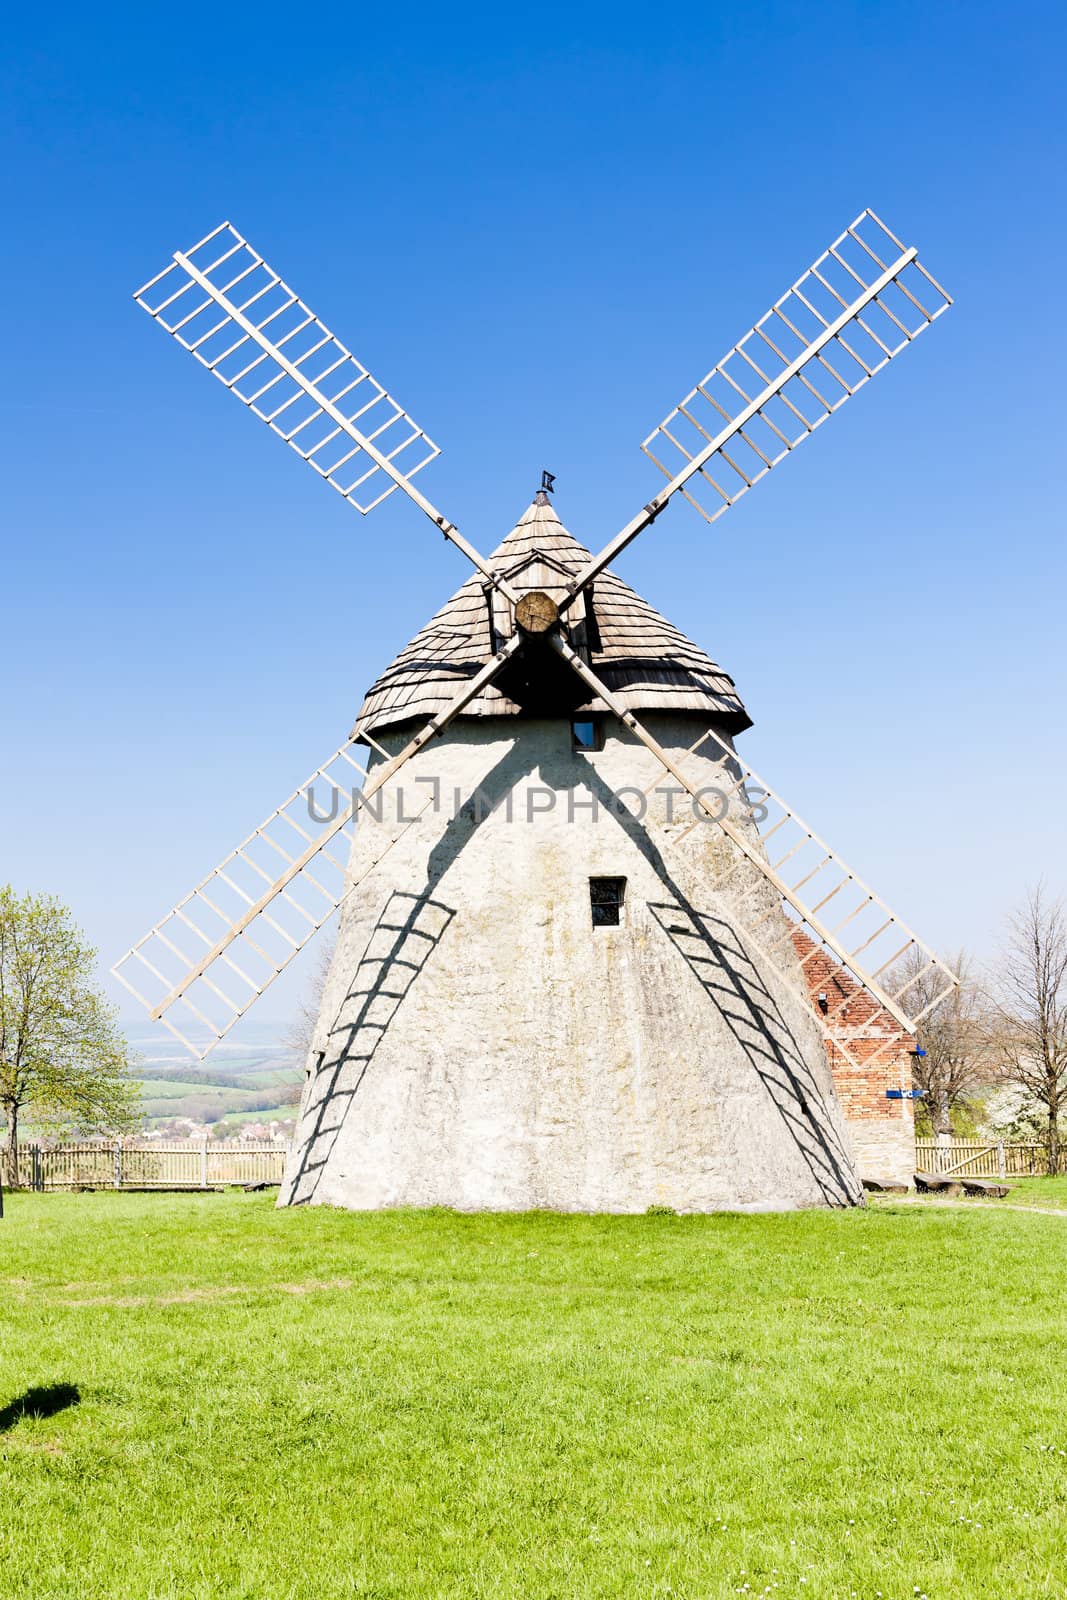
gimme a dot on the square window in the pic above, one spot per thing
(605, 901)
(587, 733)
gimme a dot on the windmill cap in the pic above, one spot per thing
(646, 661)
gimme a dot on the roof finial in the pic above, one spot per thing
(548, 483)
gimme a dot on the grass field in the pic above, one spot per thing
(313, 1404)
(1050, 1192)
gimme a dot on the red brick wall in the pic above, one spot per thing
(869, 1052)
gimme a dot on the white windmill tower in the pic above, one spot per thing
(577, 933)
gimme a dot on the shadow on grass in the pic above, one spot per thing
(43, 1402)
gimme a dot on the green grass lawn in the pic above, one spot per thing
(1038, 1191)
(1046, 1193)
(316, 1404)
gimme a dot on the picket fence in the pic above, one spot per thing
(200, 1164)
(982, 1158)
(181, 1164)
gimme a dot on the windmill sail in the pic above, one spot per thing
(818, 893)
(241, 321)
(210, 958)
(860, 303)
(856, 307)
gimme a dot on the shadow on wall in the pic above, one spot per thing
(403, 940)
(37, 1403)
(712, 950)
(412, 925)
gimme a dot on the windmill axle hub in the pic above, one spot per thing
(536, 612)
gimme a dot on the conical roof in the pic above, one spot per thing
(641, 657)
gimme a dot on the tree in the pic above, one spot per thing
(1030, 990)
(1011, 1112)
(61, 1054)
(954, 1037)
(299, 1034)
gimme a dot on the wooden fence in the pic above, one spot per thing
(180, 1164)
(982, 1158)
(191, 1164)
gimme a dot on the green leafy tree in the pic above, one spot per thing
(62, 1058)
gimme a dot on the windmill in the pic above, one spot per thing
(588, 982)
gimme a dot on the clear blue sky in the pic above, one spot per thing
(538, 226)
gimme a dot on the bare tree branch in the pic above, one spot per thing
(1030, 1000)
(952, 1035)
(299, 1034)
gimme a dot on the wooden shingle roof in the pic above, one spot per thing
(646, 661)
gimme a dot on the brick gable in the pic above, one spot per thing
(878, 1059)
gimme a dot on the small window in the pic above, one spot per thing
(587, 734)
(605, 900)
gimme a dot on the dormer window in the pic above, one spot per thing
(587, 733)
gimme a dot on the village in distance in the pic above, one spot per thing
(248, 1088)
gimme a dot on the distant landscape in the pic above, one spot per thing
(248, 1087)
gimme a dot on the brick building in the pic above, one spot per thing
(872, 1059)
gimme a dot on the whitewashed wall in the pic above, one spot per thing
(483, 1046)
